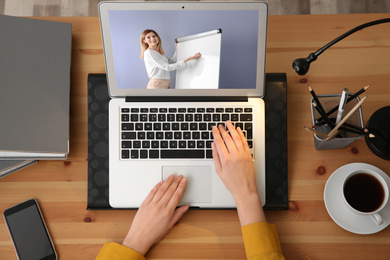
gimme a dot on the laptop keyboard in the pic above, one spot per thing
(177, 133)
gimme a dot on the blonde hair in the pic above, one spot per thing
(145, 46)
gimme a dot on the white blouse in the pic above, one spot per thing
(158, 66)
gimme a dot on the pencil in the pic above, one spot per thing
(316, 99)
(332, 133)
(323, 115)
(350, 98)
(316, 132)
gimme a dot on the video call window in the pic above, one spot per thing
(234, 68)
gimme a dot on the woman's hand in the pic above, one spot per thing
(157, 215)
(195, 57)
(234, 165)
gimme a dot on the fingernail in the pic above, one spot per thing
(184, 180)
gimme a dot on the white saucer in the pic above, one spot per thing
(344, 217)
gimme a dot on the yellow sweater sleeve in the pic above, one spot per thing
(115, 251)
(261, 241)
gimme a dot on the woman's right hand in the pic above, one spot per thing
(234, 165)
(195, 57)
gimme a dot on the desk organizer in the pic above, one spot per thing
(275, 138)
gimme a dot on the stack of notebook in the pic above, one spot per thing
(34, 91)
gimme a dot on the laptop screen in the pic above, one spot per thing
(182, 48)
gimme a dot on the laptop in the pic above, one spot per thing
(157, 131)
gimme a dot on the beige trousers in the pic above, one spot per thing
(158, 84)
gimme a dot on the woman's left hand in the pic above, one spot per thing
(157, 214)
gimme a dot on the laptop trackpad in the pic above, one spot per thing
(198, 182)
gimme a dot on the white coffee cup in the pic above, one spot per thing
(365, 192)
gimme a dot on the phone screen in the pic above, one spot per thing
(28, 232)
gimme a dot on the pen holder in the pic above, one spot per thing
(344, 138)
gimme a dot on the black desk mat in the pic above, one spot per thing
(275, 136)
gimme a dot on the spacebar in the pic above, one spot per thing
(181, 154)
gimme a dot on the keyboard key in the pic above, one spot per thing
(193, 126)
(186, 135)
(155, 144)
(128, 135)
(225, 117)
(141, 135)
(175, 126)
(143, 117)
(125, 154)
(146, 144)
(134, 154)
(173, 144)
(143, 154)
(164, 144)
(246, 117)
(184, 126)
(154, 154)
(189, 117)
(200, 144)
(125, 110)
(166, 126)
(127, 126)
(139, 126)
(126, 144)
(207, 117)
(209, 154)
(157, 126)
(198, 117)
(191, 144)
(150, 135)
(177, 135)
(182, 144)
(136, 144)
(125, 117)
(134, 118)
(191, 110)
(182, 154)
(234, 117)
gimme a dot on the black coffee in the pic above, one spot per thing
(364, 192)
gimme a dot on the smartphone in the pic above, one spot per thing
(28, 231)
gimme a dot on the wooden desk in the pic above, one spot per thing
(306, 230)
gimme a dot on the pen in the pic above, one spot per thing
(343, 101)
(334, 130)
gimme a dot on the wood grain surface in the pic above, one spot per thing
(306, 230)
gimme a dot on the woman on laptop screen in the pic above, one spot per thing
(157, 64)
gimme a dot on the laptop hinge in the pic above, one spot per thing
(186, 99)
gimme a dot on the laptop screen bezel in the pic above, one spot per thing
(261, 7)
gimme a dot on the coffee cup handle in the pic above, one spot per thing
(377, 219)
